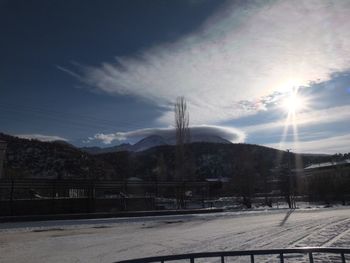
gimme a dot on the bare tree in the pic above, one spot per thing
(182, 120)
(182, 138)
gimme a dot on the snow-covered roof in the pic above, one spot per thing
(327, 164)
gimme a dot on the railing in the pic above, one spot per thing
(249, 253)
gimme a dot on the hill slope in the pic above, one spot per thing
(32, 158)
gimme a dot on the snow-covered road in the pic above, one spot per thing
(108, 240)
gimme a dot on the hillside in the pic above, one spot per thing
(208, 160)
(31, 158)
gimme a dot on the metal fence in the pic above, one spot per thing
(250, 254)
(51, 188)
(53, 196)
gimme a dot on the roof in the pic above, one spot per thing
(327, 164)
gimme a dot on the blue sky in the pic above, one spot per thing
(108, 72)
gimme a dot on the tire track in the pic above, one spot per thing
(323, 235)
(267, 239)
(318, 228)
(310, 226)
(282, 238)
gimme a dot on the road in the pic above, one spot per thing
(109, 240)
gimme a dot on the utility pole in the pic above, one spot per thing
(290, 182)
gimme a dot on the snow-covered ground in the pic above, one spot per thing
(109, 240)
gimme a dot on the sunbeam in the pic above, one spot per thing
(293, 104)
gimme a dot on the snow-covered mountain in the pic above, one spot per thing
(153, 141)
(148, 142)
(209, 138)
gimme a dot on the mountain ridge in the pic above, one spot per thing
(152, 141)
(27, 158)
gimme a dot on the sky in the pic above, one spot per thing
(102, 73)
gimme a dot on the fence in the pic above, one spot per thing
(45, 196)
(251, 254)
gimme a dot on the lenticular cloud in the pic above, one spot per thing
(230, 134)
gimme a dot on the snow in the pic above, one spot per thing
(110, 240)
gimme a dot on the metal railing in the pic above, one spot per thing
(220, 255)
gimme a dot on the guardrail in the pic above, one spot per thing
(191, 257)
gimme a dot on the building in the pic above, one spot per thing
(328, 168)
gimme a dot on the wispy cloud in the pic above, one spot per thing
(227, 133)
(244, 52)
(323, 116)
(40, 137)
(70, 72)
(336, 144)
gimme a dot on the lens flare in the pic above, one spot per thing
(294, 103)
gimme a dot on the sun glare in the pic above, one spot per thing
(294, 103)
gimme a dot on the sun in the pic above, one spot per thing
(294, 102)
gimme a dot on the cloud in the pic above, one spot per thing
(336, 144)
(323, 116)
(107, 138)
(40, 137)
(227, 133)
(244, 52)
(69, 72)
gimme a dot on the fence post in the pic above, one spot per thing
(53, 192)
(343, 258)
(92, 197)
(11, 196)
(311, 259)
(281, 258)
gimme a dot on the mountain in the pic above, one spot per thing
(153, 141)
(148, 142)
(99, 150)
(32, 158)
(209, 138)
(35, 159)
